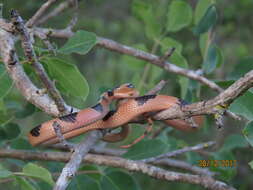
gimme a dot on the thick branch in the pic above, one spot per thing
(165, 162)
(19, 26)
(76, 159)
(22, 82)
(225, 98)
(130, 165)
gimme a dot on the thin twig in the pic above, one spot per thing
(56, 11)
(19, 26)
(185, 166)
(167, 54)
(127, 50)
(58, 132)
(180, 151)
(32, 21)
(157, 88)
(114, 46)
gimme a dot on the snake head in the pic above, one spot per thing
(123, 91)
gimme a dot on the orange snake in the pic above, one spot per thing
(97, 117)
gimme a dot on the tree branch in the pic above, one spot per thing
(165, 162)
(30, 92)
(184, 165)
(56, 11)
(180, 151)
(76, 159)
(32, 21)
(153, 59)
(130, 165)
(19, 26)
(225, 98)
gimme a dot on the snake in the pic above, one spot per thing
(125, 113)
(82, 118)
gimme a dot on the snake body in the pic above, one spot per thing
(87, 116)
(98, 117)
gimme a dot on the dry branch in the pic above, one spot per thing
(61, 7)
(130, 165)
(20, 28)
(153, 59)
(32, 21)
(71, 168)
(225, 98)
(179, 151)
(30, 92)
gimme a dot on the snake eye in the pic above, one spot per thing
(130, 85)
(110, 93)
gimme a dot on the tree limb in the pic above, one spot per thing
(27, 45)
(56, 11)
(130, 165)
(30, 92)
(153, 59)
(76, 159)
(32, 21)
(180, 151)
(225, 98)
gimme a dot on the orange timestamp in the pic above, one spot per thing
(217, 163)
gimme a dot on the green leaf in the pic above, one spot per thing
(234, 141)
(118, 180)
(5, 117)
(81, 42)
(214, 58)
(146, 148)
(204, 43)
(20, 143)
(144, 11)
(251, 164)
(245, 65)
(68, 77)
(168, 42)
(26, 111)
(83, 182)
(5, 82)
(248, 132)
(96, 175)
(33, 170)
(243, 106)
(180, 61)
(5, 173)
(201, 9)
(225, 83)
(11, 130)
(24, 184)
(179, 15)
(207, 21)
